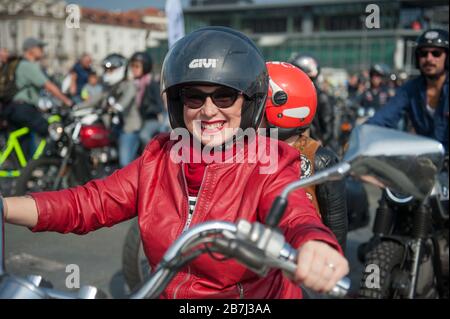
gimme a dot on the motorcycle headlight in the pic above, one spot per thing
(55, 131)
(361, 112)
(398, 198)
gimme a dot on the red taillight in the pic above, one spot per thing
(93, 136)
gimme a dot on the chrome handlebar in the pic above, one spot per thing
(238, 241)
(254, 245)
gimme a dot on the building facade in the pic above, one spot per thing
(335, 32)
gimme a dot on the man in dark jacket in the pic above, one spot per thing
(425, 98)
(79, 75)
(377, 94)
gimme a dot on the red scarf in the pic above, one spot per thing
(194, 172)
(194, 175)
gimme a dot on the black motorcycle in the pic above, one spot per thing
(408, 256)
(81, 148)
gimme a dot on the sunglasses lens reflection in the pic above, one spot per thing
(434, 53)
(222, 97)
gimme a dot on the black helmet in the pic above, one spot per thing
(216, 55)
(379, 69)
(307, 64)
(435, 38)
(116, 65)
(145, 59)
(113, 61)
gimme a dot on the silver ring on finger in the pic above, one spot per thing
(332, 266)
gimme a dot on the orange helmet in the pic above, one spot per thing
(292, 99)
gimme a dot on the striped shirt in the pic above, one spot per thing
(192, 202)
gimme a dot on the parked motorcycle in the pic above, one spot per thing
(261, 247)
(18, 145)
(410, 245)
(82, 148)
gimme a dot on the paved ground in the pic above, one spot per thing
(98, 254)
(359, 236)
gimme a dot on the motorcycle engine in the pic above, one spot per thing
(103, 155)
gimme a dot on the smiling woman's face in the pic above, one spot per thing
(209, 123)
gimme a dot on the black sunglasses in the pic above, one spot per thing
(223, 97)
(435, 53)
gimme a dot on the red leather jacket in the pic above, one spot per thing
(153, 187)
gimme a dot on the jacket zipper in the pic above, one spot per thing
(191, 216)
(241, 290)
(188, 221)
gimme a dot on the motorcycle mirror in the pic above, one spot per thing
(384, 157)
(403, 162)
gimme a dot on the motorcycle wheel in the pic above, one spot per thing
(135, 265)
(39, 175)
(388, 256)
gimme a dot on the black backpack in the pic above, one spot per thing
(151, 104)
(8, 87)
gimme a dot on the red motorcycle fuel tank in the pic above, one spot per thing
(93, 136)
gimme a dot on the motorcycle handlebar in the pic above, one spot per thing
(186, 248)
(232, 245)
(256, 260)
(289, 265)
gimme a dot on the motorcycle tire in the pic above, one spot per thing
(388, 256)
(39, 175)
(135, 266)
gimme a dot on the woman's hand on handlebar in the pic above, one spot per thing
(319, 266)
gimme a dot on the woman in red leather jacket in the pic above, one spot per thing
(215, 82)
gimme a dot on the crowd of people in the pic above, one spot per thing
(129, 81)
(144, 114)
